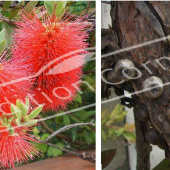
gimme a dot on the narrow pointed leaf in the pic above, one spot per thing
(2, 35)
(32, 122)
(30, 6)
(17, 111)
(27, 103)
(26, 119)
(49, 7)
(18, 104)
(2, 46)
(35, 112)
(18, 122)
(23, 109)
(60, 8)
(10, 119)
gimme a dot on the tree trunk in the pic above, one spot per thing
(135, 23)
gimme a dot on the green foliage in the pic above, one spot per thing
(80, 7)
(15, 11)
(109, 129)
(75, 138)
(22, 116)
(52, 152)
(58, 7)
(2, 46)
(30, 6)
(2, 41)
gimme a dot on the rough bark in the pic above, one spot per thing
(134, 23)
(142, 145)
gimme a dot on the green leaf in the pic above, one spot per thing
(2, 46)
(131, 137)
(7, 4)
(42, 146)
(35, 112)
(58, 119)
(18, 122)
(5, 120)
(17, 111)
(24, 109)
(87, 137)
(89, 66)
(78, 98)
(2, 35)
(60, 9)
(118, 114)
(163, 165)
(103, 134)
(91, 113)
(32, 122)
(75, 119)
(10, 119)
(8, 31)
(15, 12)
(30, 6)
(74, 134)
(36, 131)
(45, 136)
(84, 115)
(26, 118)
(55, 151)
(18, 103)
(90, 79)
(111, 132)
(120, 131)
(107, 157)
(49, 5)
(27, 103)
(60, 6)
(66, 120)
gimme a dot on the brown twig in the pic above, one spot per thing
(68, 127)
(84, 155)
(59, 135)
(88, 6)
(89, 16)
(93, 38)
(13, 6)
(10, 22)
(45, 126)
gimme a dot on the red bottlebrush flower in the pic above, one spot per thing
(46, 43)
(16, 148)
(11, 71)
(15, 145)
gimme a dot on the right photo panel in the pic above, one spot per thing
(135, 62)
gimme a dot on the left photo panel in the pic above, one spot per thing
(47, 85)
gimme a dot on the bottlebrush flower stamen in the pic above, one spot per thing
(10, 71)
(15, 145)
(46, 41)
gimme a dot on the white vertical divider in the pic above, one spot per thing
(98, 85)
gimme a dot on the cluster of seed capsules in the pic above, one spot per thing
(125, 71)
(39, 69)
